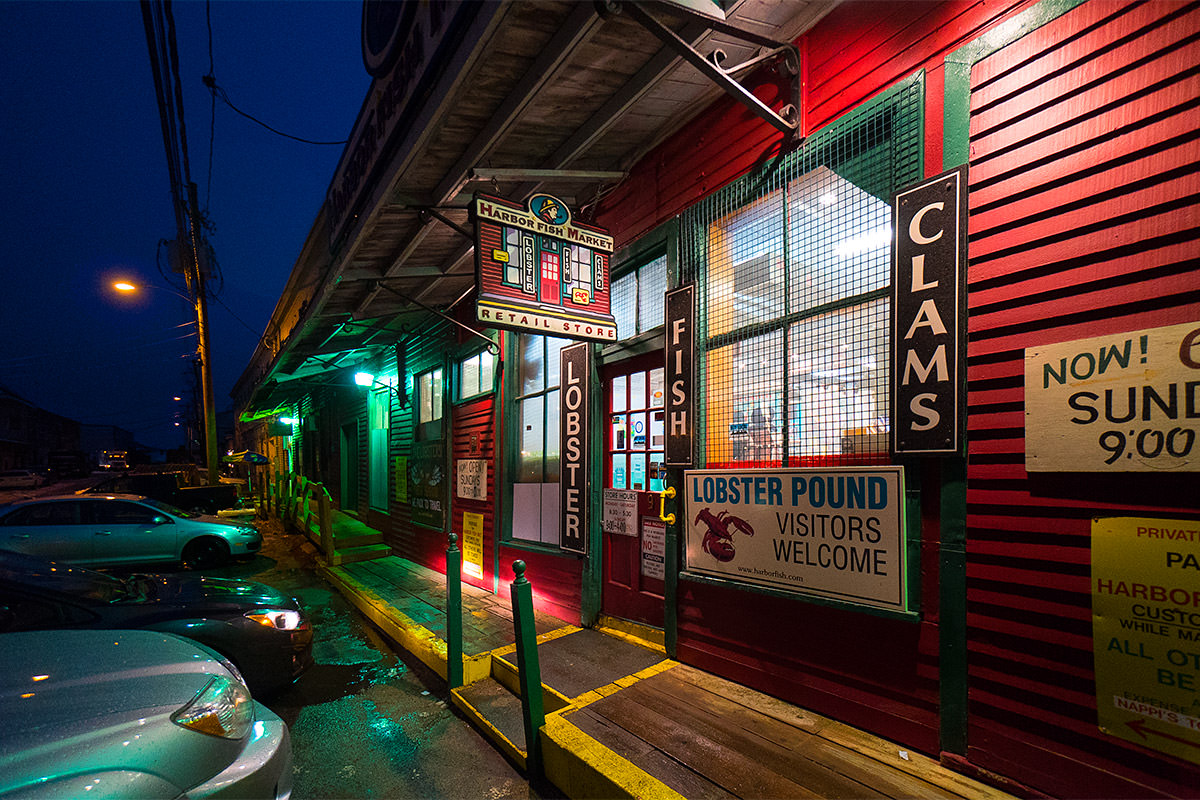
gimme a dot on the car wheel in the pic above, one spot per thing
(205, 552)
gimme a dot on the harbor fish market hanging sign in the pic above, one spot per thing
(831, 533)
(540, 271)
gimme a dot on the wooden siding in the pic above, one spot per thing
(853, 54)
(878, 674)
(473, 438)
(417, 543)
(1085, 208)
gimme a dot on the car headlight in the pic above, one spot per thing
(280, 619)
(222, 708)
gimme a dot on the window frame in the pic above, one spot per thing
(902, 107)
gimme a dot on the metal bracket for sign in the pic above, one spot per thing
(662, 505)
(433, 213)
(492, 346)
(787, 119)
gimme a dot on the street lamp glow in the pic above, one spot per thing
(122, 286)
(364, 378)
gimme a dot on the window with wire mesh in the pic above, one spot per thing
(637, 298)
(795, 261)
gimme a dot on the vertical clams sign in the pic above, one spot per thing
(929, 272)
(575, 374)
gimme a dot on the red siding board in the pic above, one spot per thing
(1076, 232)
(1125, 156)
(1052, 229)
(1111, 272)
(1117, 320)
(1062, 70)
(1180, 286)
(1065, 124)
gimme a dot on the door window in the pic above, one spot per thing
(636, 431)
(45, 514)
(116, 512)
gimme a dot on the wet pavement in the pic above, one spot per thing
(366, 722)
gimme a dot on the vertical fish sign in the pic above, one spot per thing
(575, 389)
(681, 369)
(929, 296)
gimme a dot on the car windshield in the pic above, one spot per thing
(168, 508)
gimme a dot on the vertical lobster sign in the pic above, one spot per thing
(575, 389)
(929, 277)
(681, 360)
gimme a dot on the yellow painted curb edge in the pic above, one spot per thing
(506, 745)
(409, 635)
(584, 769)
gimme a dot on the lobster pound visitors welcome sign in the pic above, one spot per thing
(834, 533)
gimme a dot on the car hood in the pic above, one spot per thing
(77, 702)
(60, 680)
(193, 590)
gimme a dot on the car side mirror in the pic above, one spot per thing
(161, 520)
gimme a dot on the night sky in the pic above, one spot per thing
(86, 192)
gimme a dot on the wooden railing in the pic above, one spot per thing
(301, 505)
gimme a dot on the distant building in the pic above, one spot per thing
(29, 433)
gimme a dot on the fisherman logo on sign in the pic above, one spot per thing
(549, 209)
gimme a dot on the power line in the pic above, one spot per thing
(220, 93)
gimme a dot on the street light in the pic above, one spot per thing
(203, 351)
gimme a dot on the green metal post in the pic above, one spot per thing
(527, 666)
(454, 632)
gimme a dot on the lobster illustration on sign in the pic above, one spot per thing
(718, 541)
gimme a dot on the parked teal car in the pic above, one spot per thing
(115, 529)
(126, 715)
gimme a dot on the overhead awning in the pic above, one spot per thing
(505, 98)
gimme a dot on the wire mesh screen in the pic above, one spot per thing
(637, 298)
(794, 264)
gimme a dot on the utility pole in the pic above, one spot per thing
(195, 280)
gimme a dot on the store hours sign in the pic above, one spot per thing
(1126, 402)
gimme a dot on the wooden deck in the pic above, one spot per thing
(708, 738)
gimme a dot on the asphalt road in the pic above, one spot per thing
(365, 721)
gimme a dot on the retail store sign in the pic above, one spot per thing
(540, 271)
(1126, 402)
(1146, 632)
(929, 273)
(575, 390)
(831, 533)
(680, 372)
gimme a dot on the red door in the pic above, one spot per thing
(635, 546)
(551, 286)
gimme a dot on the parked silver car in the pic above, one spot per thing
(121, 529)
(132, 714)
(20, 479)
